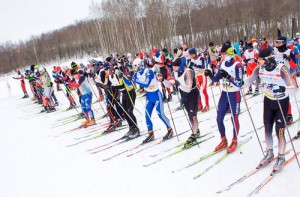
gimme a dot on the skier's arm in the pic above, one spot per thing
(291, 86)
(146, 83)
(238, 80)
(252, 77)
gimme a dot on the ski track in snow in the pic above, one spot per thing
(36, 162)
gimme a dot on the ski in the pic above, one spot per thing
(221, 158)
(135, 147)
(174, 147)
(247, 175)
(270, 177)
(161, 141)
(103, 133)
(176, 152)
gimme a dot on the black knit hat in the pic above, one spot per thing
(265, 53)
(225, 47)
(177, 62)
(211, 44)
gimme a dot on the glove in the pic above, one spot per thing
(207, 72)
(177, 83)
(285, 56)
(224, 74)
(106, 87)
(246, 60)
(280, 89)
(191, 64)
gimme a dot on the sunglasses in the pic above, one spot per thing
(279, 41)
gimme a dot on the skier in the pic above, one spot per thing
(21, 78)
(162, 69)
(197, 63)
(278, 84)
(145, 78)
(128, 95)
(286, 56)
(186, 81)
(86, 97)
(232, 73)
(47, 90)
(249, 57)
(114, 110)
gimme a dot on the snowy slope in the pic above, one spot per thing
(38, 156)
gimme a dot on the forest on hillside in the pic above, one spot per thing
(122, 26)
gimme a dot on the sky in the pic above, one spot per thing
(20, 19)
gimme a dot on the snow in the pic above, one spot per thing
(35, 159)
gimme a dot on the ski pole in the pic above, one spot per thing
(97, 98)
(232, 116)
(283, 117)
(245, 101)
(172, 120)
(123, 109)
(114, 107)
(211, 87)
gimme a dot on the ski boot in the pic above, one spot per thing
(192, 140)
(289, 119)
(168, 135)
(149, 138)
(181, 106)
(298, 135)
(56, 103)
(84, 124)
(223, 144)
(170, 98)
(232, 146)
(128, 133)
(249, 91)
(52, 109)
(118, 123)
(134, 133)
(279, 163)
(267, 159)
(111, 128)
(256, 92)
(198, 134)
(91, 123)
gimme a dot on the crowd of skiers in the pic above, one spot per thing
(187, 73)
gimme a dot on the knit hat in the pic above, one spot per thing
(281, 38)
(211, 44)
(106, 66)
(177, 62)
(192, 51)
(265, 53)
(249, 45)
(227, 48)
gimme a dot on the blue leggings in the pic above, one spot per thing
(86, 103)
(223, 106)
(154, 99)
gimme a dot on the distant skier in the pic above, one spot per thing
(21, 77)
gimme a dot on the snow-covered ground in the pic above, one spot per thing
(39, 158)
